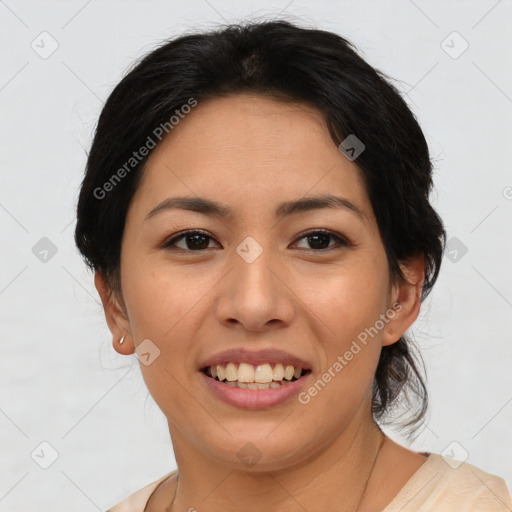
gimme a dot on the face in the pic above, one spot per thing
(256, 284)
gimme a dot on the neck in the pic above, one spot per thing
(336, 479)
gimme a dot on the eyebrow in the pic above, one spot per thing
(209, 207)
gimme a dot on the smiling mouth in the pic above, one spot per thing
(249, 376)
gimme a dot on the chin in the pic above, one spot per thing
(257, 451)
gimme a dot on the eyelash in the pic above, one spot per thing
(340, 240)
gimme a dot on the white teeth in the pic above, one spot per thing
(263, 373)
(278, 373)
(231, 372)
(288, 372)
(245, 372)
(248, 376)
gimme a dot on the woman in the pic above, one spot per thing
(255, 209)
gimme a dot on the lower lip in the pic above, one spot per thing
(254, 398)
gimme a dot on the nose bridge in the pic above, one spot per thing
(253, 294)
(252, 269)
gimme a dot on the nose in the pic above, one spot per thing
(255, 294)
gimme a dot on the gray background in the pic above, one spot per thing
(61, 381)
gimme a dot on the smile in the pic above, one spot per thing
(250, 376)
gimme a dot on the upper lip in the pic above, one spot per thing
(256, 357)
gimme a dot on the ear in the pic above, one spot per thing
(115, 315)
(405, 300)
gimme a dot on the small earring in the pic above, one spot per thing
(122, 340)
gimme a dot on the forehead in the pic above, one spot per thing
(247, 148)
(240, 123)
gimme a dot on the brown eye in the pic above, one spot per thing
(319, 240)
(193, 241)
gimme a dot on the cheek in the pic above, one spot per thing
(351, 349)
(348, 306)
(348, 300)
(160, 300)
(163, 305)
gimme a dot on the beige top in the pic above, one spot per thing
(440, 484)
